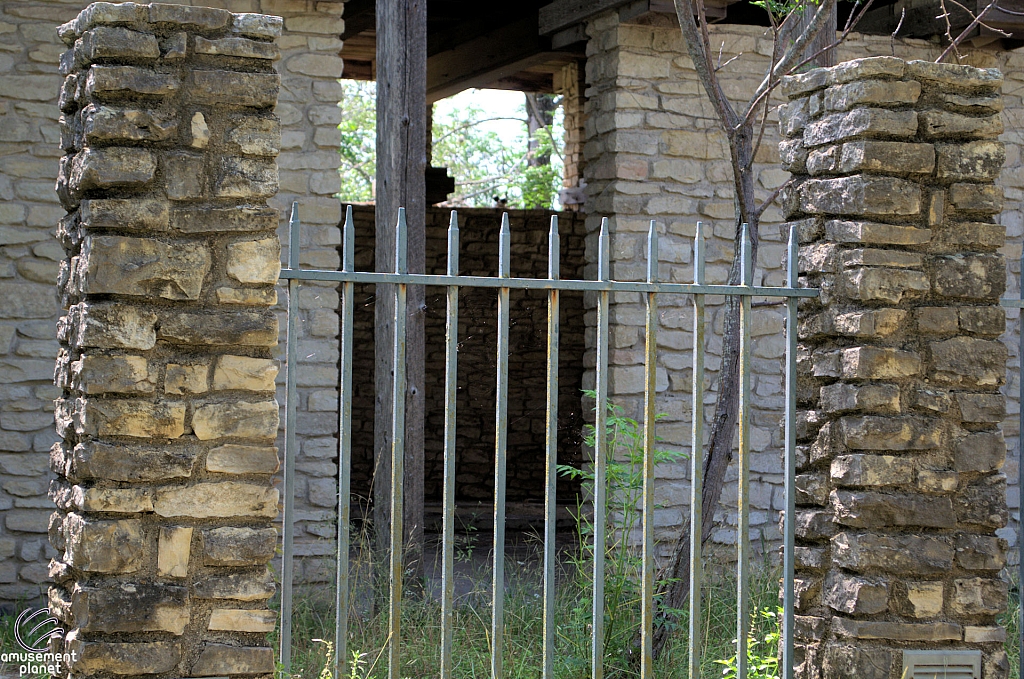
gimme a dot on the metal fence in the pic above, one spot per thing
(503, 283)
(1019, 304)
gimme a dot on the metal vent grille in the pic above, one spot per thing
(942, 664)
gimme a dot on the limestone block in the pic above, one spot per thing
(872, 470)
(138, 419)
(220, 659)
(231, 88)
(102, 14)
(236, 586)
(887, 157)
(101, 374)
(924, 599)
(202, 18)
(184, 175)
(869, 323)
(107, 82)
(878, 363)
(240, 328)
(858, 662)
(200, 131)
(936, 320)
(118, 123)
(872, 432)
(256, 262)
(119, 500)
(873, 93)
(854, 595)
(793, 155)
(130, 463)
(867, 509)
(945, 125)
(174, 47)
(978, 596)
(257, 25)
(240, 620)
(238, 47)
(112, 167)
(983, 503)
(174, 546)
(144, 214)
(244, 373)
(984, 198)
(984, 635)
(867, 68)
(860, 629)
(131, 607)
(109, 42)
(973, 104)
(803, 83)
(123, 658)
(217, 500)
(793, 117)
(806, 592)
(860, 195)
(248, 178)
(910, 554)
(868, 123)
(980, 552)
(238, 459)
(218, 220)
(246, 297)
(983, 320)
(968, 362)
(246, 420)
(186, 379)
(257, 136)
(811, 489)
(876, 284)
(814, 525)
(957, 75)
(974, 161)
(971, 235)
(981, 408)
(877, 398)
(232, 546)
(104, 546)
(872, 233)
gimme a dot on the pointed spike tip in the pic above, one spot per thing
(453, 221)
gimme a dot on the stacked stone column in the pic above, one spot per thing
(168, 415)
(900, 489)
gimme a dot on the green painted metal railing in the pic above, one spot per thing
(554, 284)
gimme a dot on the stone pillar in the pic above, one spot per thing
(168, 415)
(900, 490)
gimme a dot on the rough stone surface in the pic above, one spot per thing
(900, 487)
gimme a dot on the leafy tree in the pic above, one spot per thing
(484, 163)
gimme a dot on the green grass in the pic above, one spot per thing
(313, 630)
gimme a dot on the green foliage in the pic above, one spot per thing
(483, 162)
(762, 647)
(358, 148)
(623, 559)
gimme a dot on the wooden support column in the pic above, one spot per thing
(401, 163)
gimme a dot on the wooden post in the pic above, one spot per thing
(401, 163)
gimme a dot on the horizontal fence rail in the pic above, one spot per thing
(503, 283)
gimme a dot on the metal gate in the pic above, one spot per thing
(1019, 304)
(503, 283)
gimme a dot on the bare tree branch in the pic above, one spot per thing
(892, 38)
(954, 43)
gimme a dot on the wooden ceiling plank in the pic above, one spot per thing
(565, 13)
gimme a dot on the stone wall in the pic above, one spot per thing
(477, 368)
(164, 493)
(29, 255)
(654, 151)
(900, 483)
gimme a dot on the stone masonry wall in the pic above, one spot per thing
(164, 493)
(900, 483)
(654, 150)
(30, 256)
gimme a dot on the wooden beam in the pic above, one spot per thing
(401, 166)
(497, 54)
(565, 13)
(359, 16)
